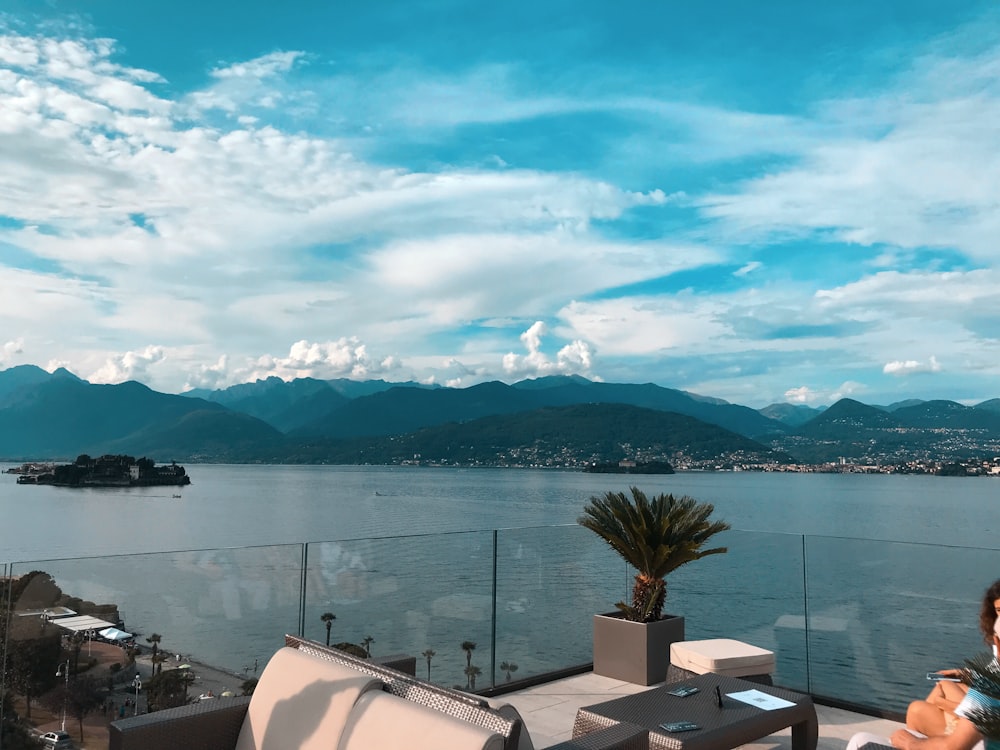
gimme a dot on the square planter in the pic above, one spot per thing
(636, 652)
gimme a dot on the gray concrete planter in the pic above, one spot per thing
(636, 652)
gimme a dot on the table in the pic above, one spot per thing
(736, 723)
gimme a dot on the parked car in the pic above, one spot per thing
(57, 741)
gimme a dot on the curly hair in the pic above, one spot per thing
(987, 612)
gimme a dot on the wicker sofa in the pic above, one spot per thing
(312, 696)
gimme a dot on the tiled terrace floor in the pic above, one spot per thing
(549, 710)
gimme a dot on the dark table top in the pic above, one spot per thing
(734, 724)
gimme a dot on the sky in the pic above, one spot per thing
(759, 202)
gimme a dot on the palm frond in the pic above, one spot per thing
(655, 536)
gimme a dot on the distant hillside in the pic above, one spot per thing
(358, 388)
(948, 415)
(921, 430)
(19, 380)
(64, 417)
(405, 409)
(283, 405)
(573, 435)
(992, 405)
(557, 420)
(214, 436)
(792, 415)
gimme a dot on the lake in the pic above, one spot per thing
(229, 506)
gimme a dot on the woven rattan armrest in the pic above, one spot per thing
(212, 724)
(471, 708)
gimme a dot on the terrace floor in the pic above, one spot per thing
(549, 710)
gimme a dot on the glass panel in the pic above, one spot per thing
(749, 594)
(550, 583)
(882, 614)
(225, 608)
(410, 595)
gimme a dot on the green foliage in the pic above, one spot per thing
(352, 648)
(655, 536)
(168, 689)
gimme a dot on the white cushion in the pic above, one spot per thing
(381, 720)
(301, 702)
(721, 656)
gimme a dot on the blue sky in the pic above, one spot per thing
(760, 202)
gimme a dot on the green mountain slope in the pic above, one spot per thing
(568, 435)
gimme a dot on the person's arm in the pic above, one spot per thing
(964, 737)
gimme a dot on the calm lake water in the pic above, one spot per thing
(252, 505)
(893, 565)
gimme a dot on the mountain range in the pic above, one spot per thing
(549, 421)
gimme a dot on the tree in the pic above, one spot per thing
(653, 536)
(14, 734)
(471, 673)
(158, 660)
(75, 645)
(508, 667)
(168, 689)
(248, 686)
(154, 639)
(468, 647)
(429, 654)
(31, 666)
(367, 642)
(83, 697)
(328, 618)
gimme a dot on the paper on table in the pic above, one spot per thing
(761, 699)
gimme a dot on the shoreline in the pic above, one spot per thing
(207, 678)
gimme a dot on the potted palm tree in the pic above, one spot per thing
(655, 536)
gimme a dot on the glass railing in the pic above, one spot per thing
(851, 620)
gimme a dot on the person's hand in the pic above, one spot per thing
(950, 672)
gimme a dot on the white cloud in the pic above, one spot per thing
(260, 67)
(899, 168)
(573, 358)
(128, 366)
(748, 268)
(911, 367)
(11, 348)
(801, 395)
(848, 389)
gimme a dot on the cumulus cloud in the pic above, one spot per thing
(848, 389)
(573, 358)
(343, 358)
(911, 367)
(801, 395)
(128, 366)
(209, 376)
(255, 83)
(10, 349)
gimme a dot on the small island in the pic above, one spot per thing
(630, 467)
(104, 471)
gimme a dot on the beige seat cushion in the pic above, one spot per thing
(301, 702)
(721, 656)
(382, 720)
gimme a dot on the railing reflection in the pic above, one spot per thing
(852, 620)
